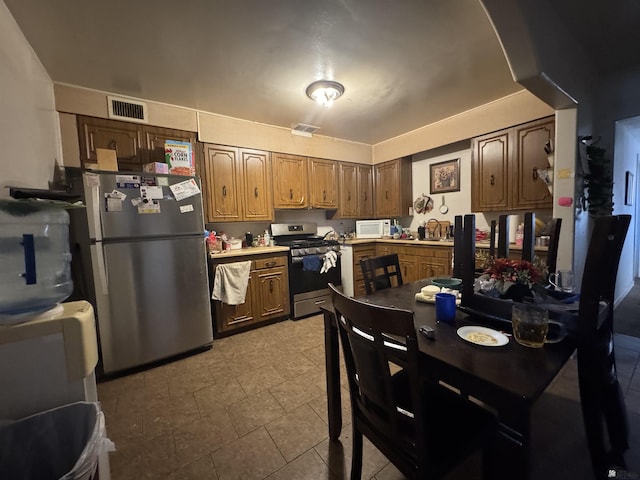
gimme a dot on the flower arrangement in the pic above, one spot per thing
(504, 273)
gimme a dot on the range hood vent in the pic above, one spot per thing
(304, 130)
(125, 109)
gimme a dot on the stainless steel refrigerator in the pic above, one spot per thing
(138, 254)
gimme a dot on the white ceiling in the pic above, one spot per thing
(404, 63)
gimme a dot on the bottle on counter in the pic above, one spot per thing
(267, 238)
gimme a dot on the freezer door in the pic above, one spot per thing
(152, 300)
(136, 205)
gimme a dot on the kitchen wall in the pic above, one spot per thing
(28, 125)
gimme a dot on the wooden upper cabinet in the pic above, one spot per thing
(154, 139)
(356, 190)
(290, 178)
(125, 138)
(256, 185)
(503, 169)
(490, 172)
(365, 191)
(323, 183)
(222, 181)
(237, 184)
(348, 190)
(530, 139)
(135, 144)
(393, 188)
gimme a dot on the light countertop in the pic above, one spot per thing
(241, 252)
(433, 243)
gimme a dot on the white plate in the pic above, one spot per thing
(486, 337)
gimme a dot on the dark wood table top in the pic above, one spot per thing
(521, 372)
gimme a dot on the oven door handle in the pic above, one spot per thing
(299, 259)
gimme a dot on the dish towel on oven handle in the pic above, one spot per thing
(311, 263)
(231, 281)
(330, 259)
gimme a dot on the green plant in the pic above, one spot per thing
(599, 182)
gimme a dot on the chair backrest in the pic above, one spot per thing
(600, 394)
(381, 272)
(366, 335)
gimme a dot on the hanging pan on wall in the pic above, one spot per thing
(423, 204)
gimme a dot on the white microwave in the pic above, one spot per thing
(373, 228)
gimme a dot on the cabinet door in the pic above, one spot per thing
(490, 172)
(256, 182)
(530, 191)
(387, 183)
(124, 138)
(360, 253)
(222, 180)
(155, 137)
(365, 191)
(230, 317)
(290, 176)
(433, 267)
(408, 267)
(323, 183)
(349, 192)
(271, 293)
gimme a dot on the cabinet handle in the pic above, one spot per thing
(271, 264)
(365, 195)
(224, 190)
(349, 196)
(255, 192)
(492, 180)
(270, 286)
(290, 194)
(113, 145)
(386, 195)
(534, 174)
(324, 195)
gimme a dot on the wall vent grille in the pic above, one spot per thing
(125, 109)
(304, 130)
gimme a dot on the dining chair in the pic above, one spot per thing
(600, 394)
(423, 430)
(379, 272)
(553, 227)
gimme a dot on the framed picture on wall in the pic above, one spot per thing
(629, 189)
(445, 176)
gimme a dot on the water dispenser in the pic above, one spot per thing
(35, 261)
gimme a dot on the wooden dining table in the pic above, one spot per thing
(507, 379)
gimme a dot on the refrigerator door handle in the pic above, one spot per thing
(100, 269)
(92, 197)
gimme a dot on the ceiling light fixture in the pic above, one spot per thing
(324, 92)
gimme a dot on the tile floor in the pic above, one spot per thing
(254, 407)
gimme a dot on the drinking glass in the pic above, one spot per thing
(531, 325)
(563, 280)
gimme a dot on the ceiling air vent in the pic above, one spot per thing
(125, 109)
(304, 130)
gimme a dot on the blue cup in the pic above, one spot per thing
(445, 307)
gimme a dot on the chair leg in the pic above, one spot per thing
(356, 455)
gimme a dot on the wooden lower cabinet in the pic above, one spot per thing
(267, 297)
(361, 252)
(419, 261)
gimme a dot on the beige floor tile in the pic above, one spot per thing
(252, 457)
(297, 431)
(147, 459)
(164, 415)
(254, 412)
(200, 469)
(337, 454)
(259, 379)
(294, 365)
(189, 381)
(308, 466)
(203, 436)
(296, 392)
(219, 395)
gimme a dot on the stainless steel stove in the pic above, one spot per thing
(309, 256)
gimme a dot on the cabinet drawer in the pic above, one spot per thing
(361, 255)
(269, 263)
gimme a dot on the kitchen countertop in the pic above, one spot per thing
(241, 252)
(433, 243)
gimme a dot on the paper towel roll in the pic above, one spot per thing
(514, 221)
